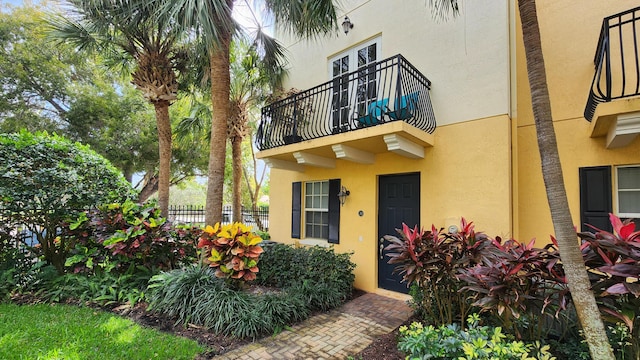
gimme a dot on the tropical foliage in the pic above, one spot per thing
(214, 23)
(432, 260)
(518, 282)
(46, 179)
(320, 279)
(519, 286)
(233, 250)
(120, 238)
(476, 342)
(613, 262)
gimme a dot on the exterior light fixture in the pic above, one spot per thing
(342, 195)
(347, 25)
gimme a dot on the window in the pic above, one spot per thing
(319, 202)
(628, 191)
(316, 209)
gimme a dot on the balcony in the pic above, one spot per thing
(378, 104)
(613, 106)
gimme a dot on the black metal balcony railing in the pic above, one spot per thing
(617, 73)
(377, 93)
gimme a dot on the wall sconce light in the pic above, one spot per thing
(347, 25)
(342, 195)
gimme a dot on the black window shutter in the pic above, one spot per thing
(595, 197)
(334, 211)
(296, 209)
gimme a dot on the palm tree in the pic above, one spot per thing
(572, 262)
(211, 21)
(124, 30)
(250, 84)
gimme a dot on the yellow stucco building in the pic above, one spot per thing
(424, 121)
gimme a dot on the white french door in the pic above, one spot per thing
(352, 95)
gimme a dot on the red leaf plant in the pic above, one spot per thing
(456, 271)
(431, 260)
(613, 263)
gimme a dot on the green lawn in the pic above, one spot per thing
(70, 332)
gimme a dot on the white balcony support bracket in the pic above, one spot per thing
(283, 164)
(403, 146)
(314, 160)
(624, 130)
(345, 152)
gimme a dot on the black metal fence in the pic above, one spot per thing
(388, 90)
(15, 234)
(617, 68)
(191, 214)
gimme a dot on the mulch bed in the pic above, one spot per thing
(384, 347)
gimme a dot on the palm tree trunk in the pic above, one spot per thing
(220, 84)
(164, 147)
(575, 270)
(236, 155)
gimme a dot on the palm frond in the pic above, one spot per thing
(273, 57)
(209, 19)
(304, 18)
(442, 9)
(63, 29)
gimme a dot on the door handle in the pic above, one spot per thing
(380, 251)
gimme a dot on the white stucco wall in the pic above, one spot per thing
(466, 58)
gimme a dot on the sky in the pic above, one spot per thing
(15, 2)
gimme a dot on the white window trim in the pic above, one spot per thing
(353, 55)
(306, 240)
(314, 242)
(616, 192)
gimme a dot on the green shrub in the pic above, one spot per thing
(176, 293)
(476, 342)
(7, 283)
(322, 276)
(44, 179)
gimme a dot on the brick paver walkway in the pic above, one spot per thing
(334, 335)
